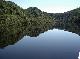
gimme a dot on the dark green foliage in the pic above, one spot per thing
(16, 22)
(69, 21)
(69, 18)
(33, 12)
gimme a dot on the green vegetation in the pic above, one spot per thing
(15, 19)
(70, 17)
(69, 21)
(16, 22)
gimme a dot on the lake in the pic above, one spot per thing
(52, 44)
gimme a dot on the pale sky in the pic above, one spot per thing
(50, 6)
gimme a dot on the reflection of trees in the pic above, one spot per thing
(16, 22)
(68, 26)
(69, 21)
(8, 37)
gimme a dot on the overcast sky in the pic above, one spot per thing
(50, 6)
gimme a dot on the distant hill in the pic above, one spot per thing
(72, 16)
(70, 21)
(16, 22)
(75, 16)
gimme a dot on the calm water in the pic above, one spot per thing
(52, 44)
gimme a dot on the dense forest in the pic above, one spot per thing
(16, 22)
(15, 19)
(70, 17)
(69, 21)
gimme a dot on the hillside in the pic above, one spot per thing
(70, 21)
(14, 17)
(16, 22)
(70, 16)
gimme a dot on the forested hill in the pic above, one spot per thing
(16, 19)
(10, 10)
(15, 22)
(69, 21)
(11, 15)
(72, 16)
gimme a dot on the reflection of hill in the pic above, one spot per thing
(69, 27)
(69, 21)
(11, 38)
(6, 40)
(16, 22)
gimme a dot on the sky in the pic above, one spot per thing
(50, 6)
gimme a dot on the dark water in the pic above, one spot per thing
(52, 44)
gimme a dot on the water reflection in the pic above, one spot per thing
(7, 37)
(10, 38)
(56, 42)
(53, 44)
